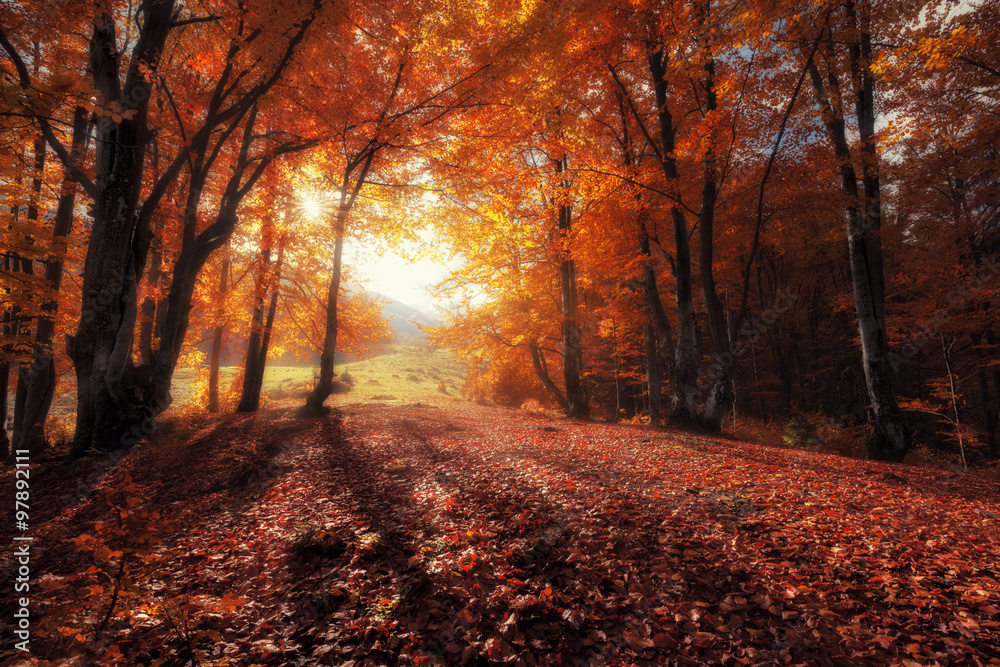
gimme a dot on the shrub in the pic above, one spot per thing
(340, 387)
(506, 381)
(800, 431)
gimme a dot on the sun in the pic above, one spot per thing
(311, 206)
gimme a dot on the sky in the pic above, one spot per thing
(393, 276)
(389, 273)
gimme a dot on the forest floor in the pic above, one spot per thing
(421, 529)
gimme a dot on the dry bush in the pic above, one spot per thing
(505, 381)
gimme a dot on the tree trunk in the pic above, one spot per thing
(653, 381)
(684, 383)
(40, 378)
(25, 435)
(319, 394)
(661, 323)
(889, 438)
(659, 339)
(576, 398)
(102, 346)
(719, 401)
(249, 402)
(195, 252)
(260, 336)
(6, 451)
(213, 369)
(5, 350)
(542, 369)
(147, 323)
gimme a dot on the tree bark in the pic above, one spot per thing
(213, 369)
(684, 384)
(542, 369)
(260, 336)
(719, 401)
(576, 397)
(147, 323)
(889, 438)
(324, 386)
(654, 383)
(26, 435)
(7, 329)
(101, 348)
(40, 379)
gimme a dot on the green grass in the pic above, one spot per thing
(401, 374)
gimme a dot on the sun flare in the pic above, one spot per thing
(311, 206)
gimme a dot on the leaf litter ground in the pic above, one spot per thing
(420, 534)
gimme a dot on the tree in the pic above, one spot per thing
(388, 104)
(890, 438)
(112, 392)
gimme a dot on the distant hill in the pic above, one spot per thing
(404, 321)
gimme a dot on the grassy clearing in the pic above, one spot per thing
(403, 374)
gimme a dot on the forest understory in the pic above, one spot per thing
(427, 533)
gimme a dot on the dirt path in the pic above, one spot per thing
(454, 534)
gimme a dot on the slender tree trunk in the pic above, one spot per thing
(26, 435)
(324, 386)
(576, 398)
(659, 338)
(719, 401)
(248, 403)
(40, 380)
(147, 323)
(542, 369)
(213, 370)
(660, 321)
(260, 336)
(684, 384)
(890, 438)
(618, 364)
(653, 381)
(7, 330)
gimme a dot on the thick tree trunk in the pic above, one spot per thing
(101, 349)
(889, 438)
(542, 369)
(576, 397)
(213, 369)
(40, 378)
(324, 386)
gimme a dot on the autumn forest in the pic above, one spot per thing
(713, 375)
